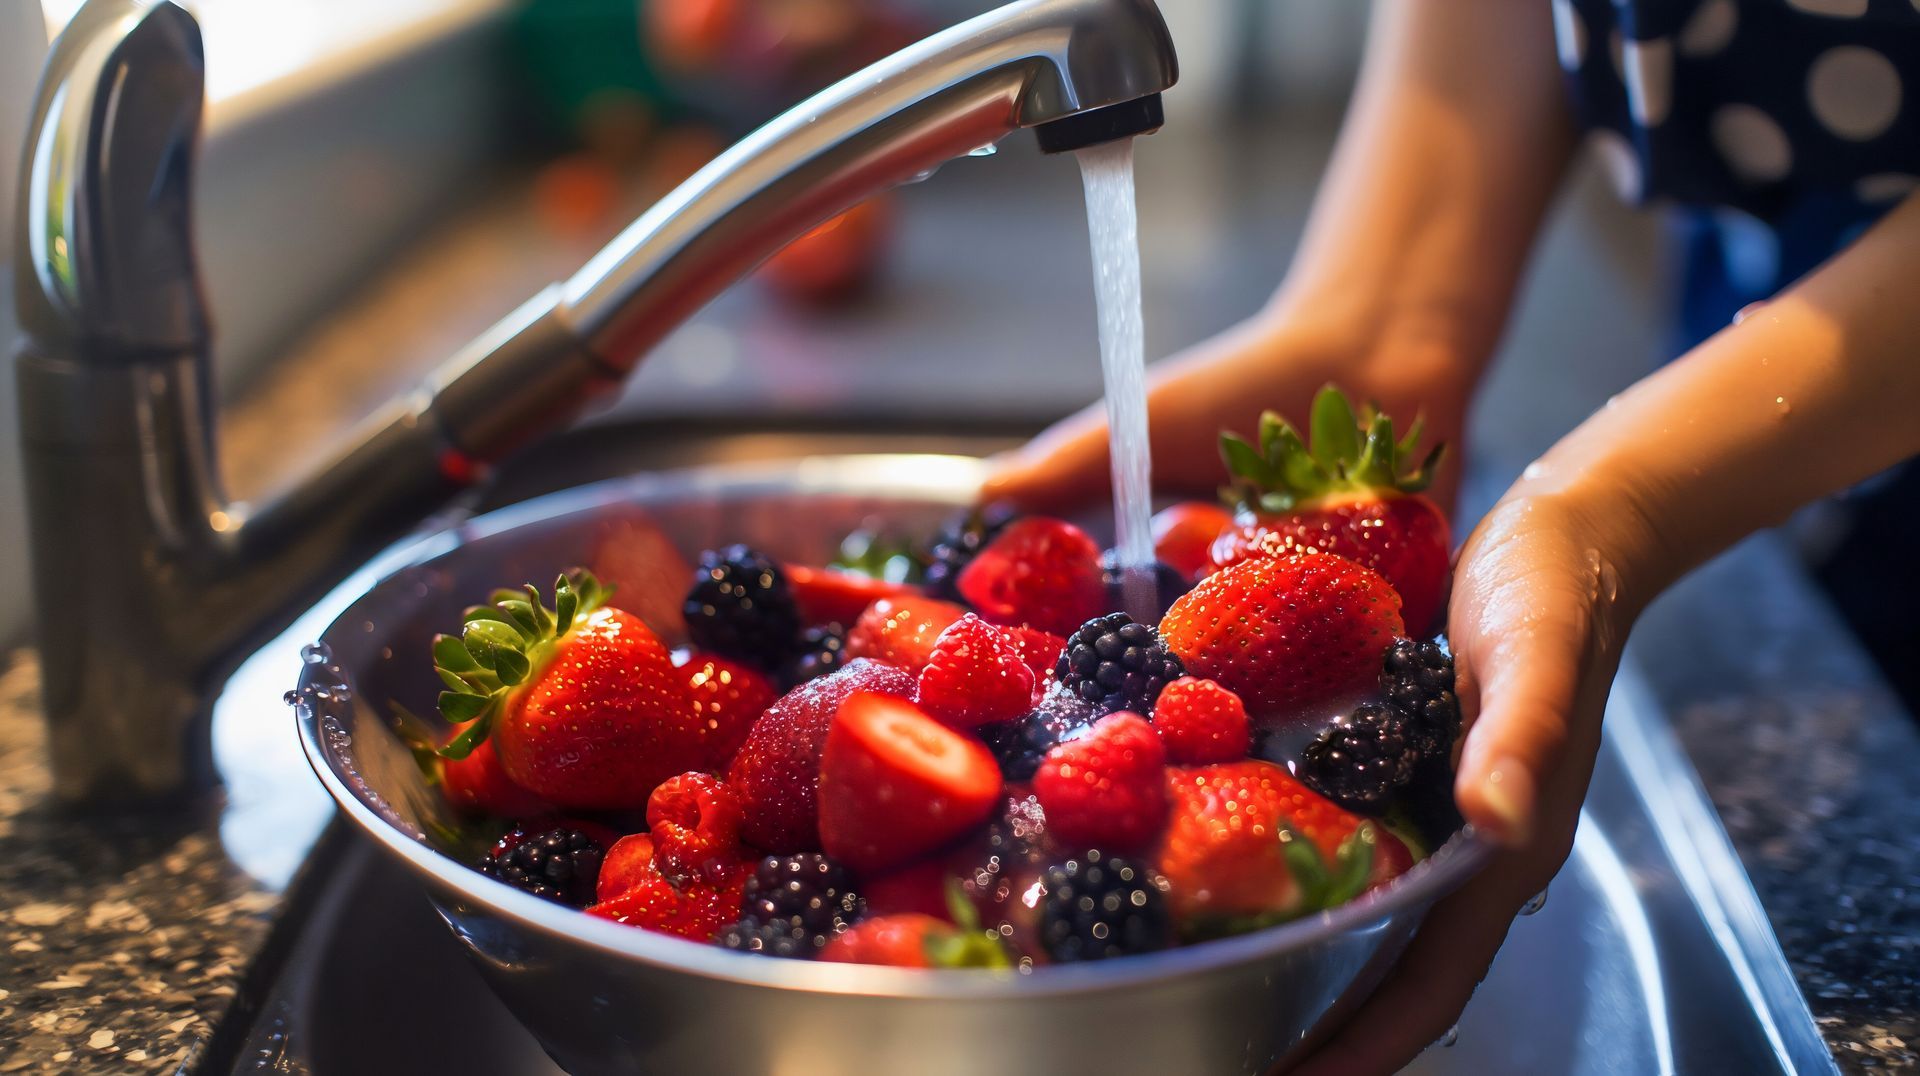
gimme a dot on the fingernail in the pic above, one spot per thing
(1508, 792)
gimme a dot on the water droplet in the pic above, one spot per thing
(292, 697)
(987, 150)
(1536, 469)
(1534, 903)
(1605, 584)
(316, 653)
(1780, 403)
(1452, 1036)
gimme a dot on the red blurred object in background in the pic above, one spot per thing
(836, 260)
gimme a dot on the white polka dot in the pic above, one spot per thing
(1885, 187)
(1754, 146)
(1618, 161)
(1648, 67)
(1570, 34)
(1711, 28)
(1855, 91)
(1839, 9)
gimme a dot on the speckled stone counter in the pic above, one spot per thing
(1815, 770)
(125, 942)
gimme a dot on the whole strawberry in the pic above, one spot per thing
(581, 701)
(1351, 490)
(1290, 636)
(900, 631)
(1249, 845)
(975, 676)
(1041, 572)
(1107, 787)
(728, 697)
(1184, 533)
(477, 785)
(777, 771)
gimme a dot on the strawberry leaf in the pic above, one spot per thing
(1346, 453)
(1352, 866)
(501, 646)
(1334, 432)
(473, 735)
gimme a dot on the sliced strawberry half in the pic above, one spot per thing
(832, 596)
(895, 782)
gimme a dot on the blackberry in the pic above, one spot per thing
(796, 903)
(1099, 906)
(780, 939)
(559, 863)
(1116, 664)
(1168, 585)
(740, 607)
(1361, 760)
(1417, 680)
(957, 543)
(821, 650)
(1019, 745)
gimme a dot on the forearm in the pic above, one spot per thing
(1454, 144)
(1815, 391)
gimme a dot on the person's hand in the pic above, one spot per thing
(1537, 621)
(1275, 361)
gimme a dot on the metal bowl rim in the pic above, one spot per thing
(951, 478)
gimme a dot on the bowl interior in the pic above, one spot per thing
(639, 534)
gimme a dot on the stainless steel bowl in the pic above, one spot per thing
(604, 998)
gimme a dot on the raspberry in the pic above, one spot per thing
(740, 606)
(1101, 906)
(1117, 664)
(1106, 789)
(975, 676)
(1359, 761)
(1201, 722)
(695, 822)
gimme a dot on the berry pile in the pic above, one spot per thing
(965, 756)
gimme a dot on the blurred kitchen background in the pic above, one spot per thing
(382, 179)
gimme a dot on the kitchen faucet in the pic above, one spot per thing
(149, 583)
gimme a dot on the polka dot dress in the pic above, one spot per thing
(1749, 104)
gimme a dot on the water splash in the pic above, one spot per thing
(1106, 172)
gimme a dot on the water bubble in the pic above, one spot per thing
(1534, 903)
(316, 653)
(1452, 1036)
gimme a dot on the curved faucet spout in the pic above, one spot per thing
(118, 439)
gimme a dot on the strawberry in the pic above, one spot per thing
(641, 562)
(1107, 788)
(895, 783)
(1250, 845)
(911, 940)
(777, 771)
(696, 909)
(1041, 652)
(919, 888)
(1287, 634)
(975, 676)
(1201, 722)
(477, 785)
(1039, 571)
(1351, 491)
(695, 822)
(832, 596)
(627, 864)
(901, 631)
(728, 698)
(581, 701)
(1183, 536)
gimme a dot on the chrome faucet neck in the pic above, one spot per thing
(148, 583)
